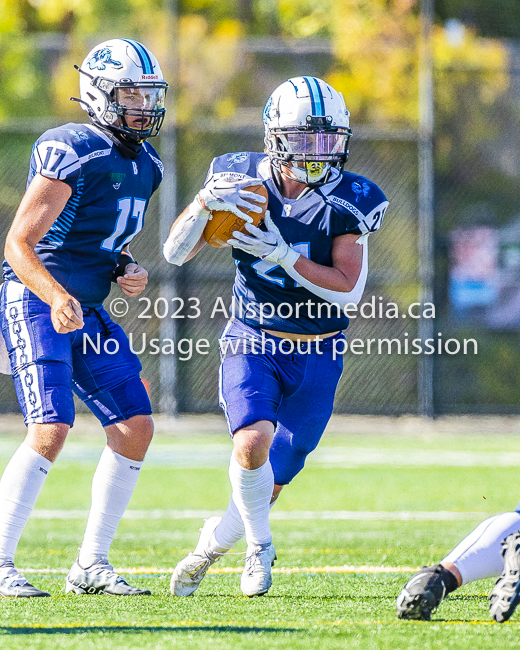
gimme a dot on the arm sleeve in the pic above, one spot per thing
(341, 298)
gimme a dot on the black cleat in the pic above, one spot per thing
(424, 593)
(506, 593)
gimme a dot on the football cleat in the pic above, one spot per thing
(14, 585)
(256, 578)
(506, 593)
(423, 594)
(190, 571)
(100, 578)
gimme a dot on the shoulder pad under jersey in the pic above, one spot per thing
(360, 202)
(244, 164)
(61, 151)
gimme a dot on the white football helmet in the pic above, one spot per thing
(122, 87)
(306, 122)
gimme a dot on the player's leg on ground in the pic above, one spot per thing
(112, 486)
(217, 537)
(252, 483)
(251, 390)
(250, 393)
(112, 389)
(478, 556)
(41, 369)
(491, 550)
(249, 385)
(505, 596)
(302, 415)
(20, 487)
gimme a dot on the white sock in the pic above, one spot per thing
(479, 555)
(252, 492)
(112, 486)
(20, 486)
(229, 531)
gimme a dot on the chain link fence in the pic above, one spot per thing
(477, 220)
(369, 383)
(476, 184)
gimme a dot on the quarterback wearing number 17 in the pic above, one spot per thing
(87, 193)
(296, 270)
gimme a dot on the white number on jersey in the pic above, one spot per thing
(263, 267)
(55, 159)
(374, 219)
(128, 208)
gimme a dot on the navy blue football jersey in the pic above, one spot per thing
(110, 194)
(348, 204)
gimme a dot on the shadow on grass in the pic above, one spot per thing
(472, 621)
(138, 629)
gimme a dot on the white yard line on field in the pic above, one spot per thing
(347, 568)
(216, 456)
(353, 515)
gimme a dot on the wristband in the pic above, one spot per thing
(122, 262)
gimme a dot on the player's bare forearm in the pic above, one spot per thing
(30, 271)
(327, 277)
(41, 205)
(347, 257)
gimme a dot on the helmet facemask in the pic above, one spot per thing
(318, 147)
(123, 89)
(307, 130)
(133, 109)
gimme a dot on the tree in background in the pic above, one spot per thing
(209, 33)
(374, 47)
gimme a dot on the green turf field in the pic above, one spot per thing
(379, 498)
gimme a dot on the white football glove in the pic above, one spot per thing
(268, 245)
(222, 194)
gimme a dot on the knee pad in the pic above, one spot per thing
(286, 459)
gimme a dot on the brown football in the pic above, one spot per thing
(221, 225)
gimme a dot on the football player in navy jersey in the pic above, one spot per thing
(294, 277)
(88, 190)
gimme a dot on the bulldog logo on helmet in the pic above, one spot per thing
(101, 58)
